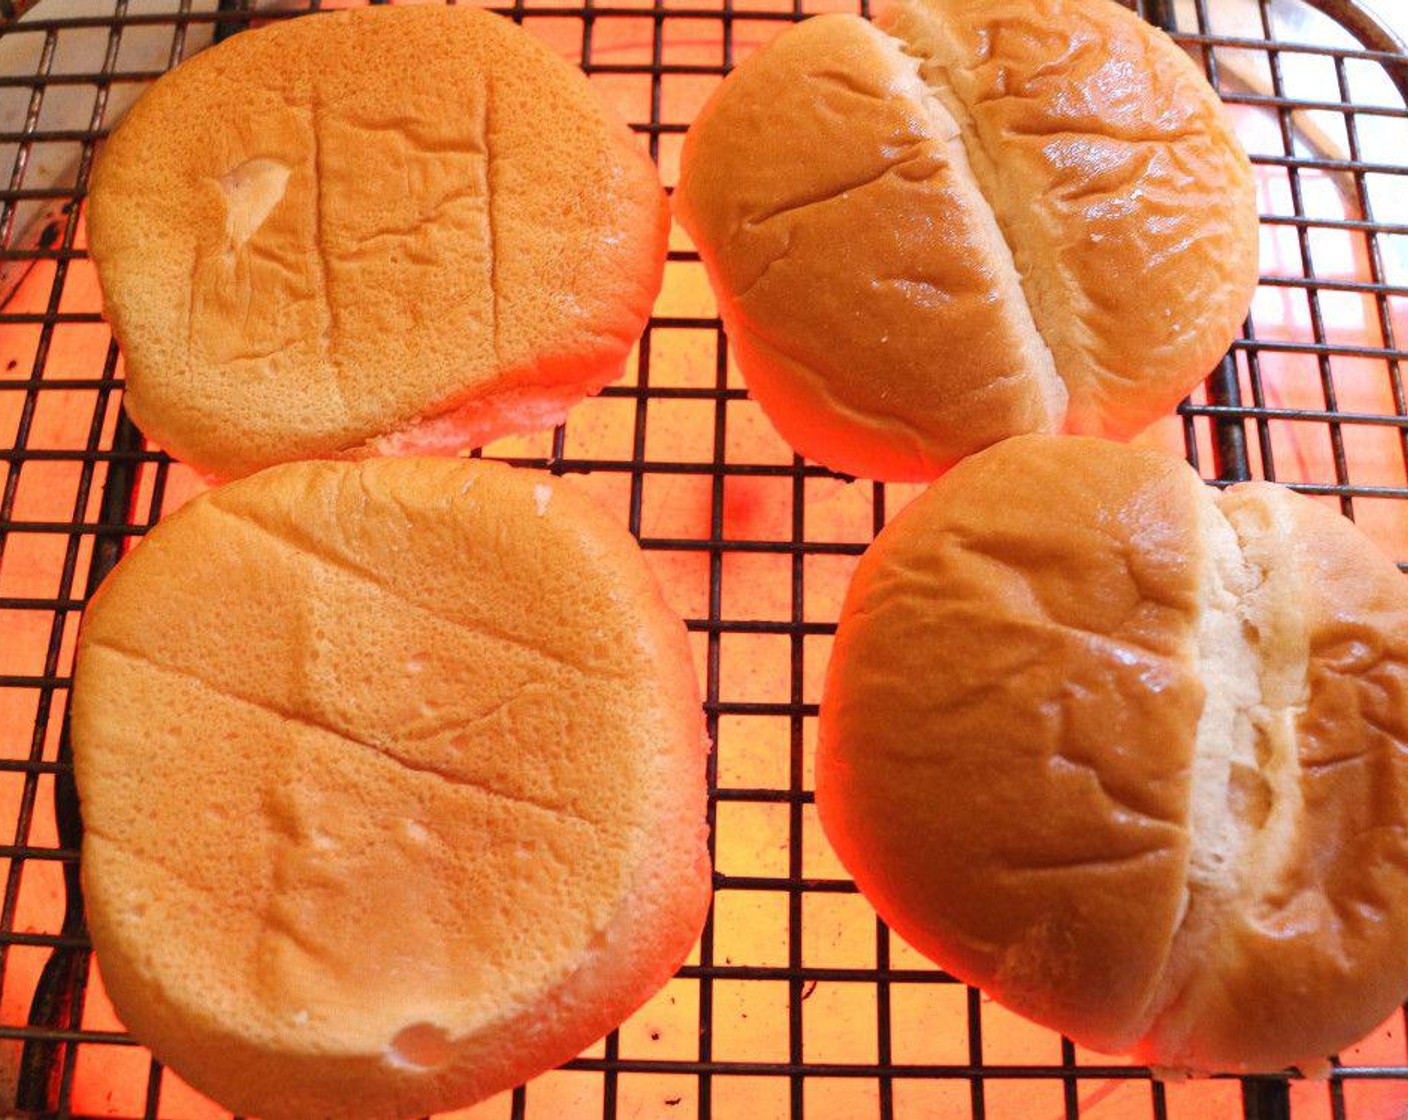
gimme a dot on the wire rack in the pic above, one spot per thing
(797, 1001)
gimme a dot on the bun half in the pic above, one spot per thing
(392, 779)
(412, 228)
(1129, 753)
(986, 220)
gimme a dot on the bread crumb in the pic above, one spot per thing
(542, 495)
(1315, 1069)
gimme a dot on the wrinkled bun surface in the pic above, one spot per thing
(1131, 754)
(339, 229)
(392, 776)
(985, 220)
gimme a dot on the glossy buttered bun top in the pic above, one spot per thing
(389, 228)
(1131, 754)
(971, 221)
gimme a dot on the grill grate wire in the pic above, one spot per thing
(120, 487)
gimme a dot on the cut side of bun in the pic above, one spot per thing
(1128, 752)
(329, 230)
(990, 219)
(392, 781)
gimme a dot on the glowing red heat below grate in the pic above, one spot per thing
(796, 1002)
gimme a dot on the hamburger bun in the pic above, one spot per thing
(985, 220)
(392, 779)
(1131, 754)
(384, 229)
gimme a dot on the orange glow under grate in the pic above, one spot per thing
(797, 1002)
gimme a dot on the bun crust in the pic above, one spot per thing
(1129, 753)
(392, 779)
(341, 228)
(988, 219)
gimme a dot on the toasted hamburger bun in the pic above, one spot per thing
(386, 228)
(985, 219)
(1131, 754)
(392, 779)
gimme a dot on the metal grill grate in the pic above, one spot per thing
(798, 1002)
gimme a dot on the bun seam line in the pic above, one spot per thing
(1224, 869)
(944, 96)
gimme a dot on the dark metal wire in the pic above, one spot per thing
(114, 465)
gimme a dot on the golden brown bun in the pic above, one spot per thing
(392, 777)
(1130, 754)
(986, 219)
(338, 229)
